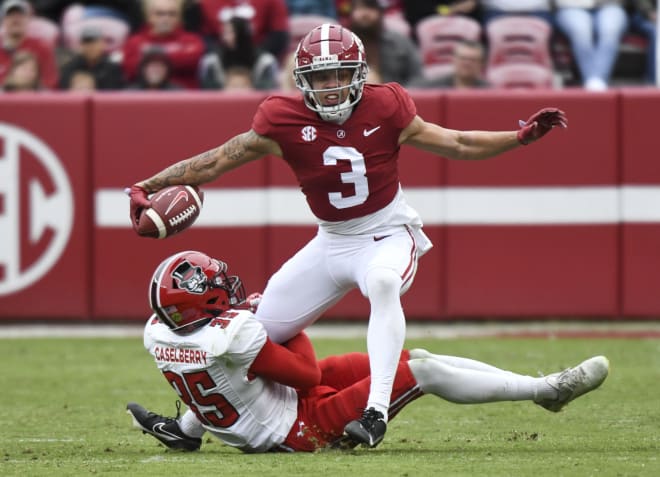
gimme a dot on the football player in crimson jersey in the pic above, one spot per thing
(259, 396)
(342, 140)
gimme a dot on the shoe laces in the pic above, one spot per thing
(167, 419)
(571, 378)
(371, 415)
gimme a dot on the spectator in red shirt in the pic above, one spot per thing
(164, 30)
(269, 21)
(15, 15)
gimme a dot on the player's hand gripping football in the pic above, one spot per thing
(139, 201)
(540, 123)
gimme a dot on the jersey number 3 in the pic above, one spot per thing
(356, 176)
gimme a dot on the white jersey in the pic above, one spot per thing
(385, 221)
(209, 370)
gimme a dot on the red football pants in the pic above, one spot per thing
(324, 410)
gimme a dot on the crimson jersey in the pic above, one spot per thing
(44, 53)
(345, 170)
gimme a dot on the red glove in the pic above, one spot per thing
(540, 123)
(139, 202)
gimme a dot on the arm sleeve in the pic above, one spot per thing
(406, 109)
(261, 123)
(293, 363)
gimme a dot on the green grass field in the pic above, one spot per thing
(63, 413)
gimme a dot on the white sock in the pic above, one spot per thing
(458, 362)
(190, 425)
(470, 386)
(385, 335)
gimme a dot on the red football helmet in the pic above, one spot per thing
(189, 287)
(330, 47)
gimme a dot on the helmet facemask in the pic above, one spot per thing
(336, 112)
(331, 48)
(229, 283)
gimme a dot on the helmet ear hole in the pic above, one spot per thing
(216, 306)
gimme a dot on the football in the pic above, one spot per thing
(173, 209)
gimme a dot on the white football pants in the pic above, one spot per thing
(323, 271)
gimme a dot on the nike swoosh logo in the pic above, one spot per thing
(181, 195)
(158, 429)
(369, 132)
(378, 238)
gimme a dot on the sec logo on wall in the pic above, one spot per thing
(36, 209)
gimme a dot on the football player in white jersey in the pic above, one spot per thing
(259, 396)
(342, 141)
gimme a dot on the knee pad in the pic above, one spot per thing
(383, 281)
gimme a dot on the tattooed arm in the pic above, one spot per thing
(211, 164)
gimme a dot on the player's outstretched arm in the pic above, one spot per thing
(474, 145)
(293, 363)
(210, 165)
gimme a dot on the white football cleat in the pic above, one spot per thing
(574, 382)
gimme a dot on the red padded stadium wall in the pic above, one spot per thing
(641, 238)
(45, 209)
(536, 269)
(256, 218)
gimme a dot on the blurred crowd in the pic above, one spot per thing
(250, 44)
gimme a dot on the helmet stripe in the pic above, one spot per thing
(154, 298)
(154, 295)
(325, 39)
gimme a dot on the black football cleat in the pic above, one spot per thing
(369, 430)
(165, 429)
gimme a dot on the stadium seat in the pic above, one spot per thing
(437, 35)
(300, 25)
(520, 75)
(396, 22)
(44, 30)
(115, 31)
(518, 39)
